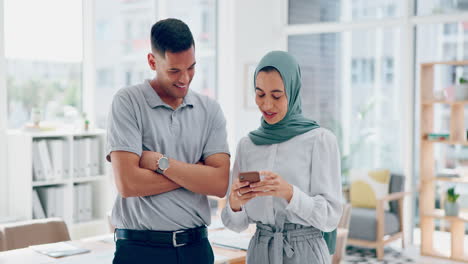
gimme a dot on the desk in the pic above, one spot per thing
(102, 252)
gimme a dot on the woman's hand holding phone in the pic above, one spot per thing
(272, 185)
(250, 186)
(240, 194)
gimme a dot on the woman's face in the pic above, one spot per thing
(271, 96)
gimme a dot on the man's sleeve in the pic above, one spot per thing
(123, 127)
(217, 138)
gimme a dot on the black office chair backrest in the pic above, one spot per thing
(397, 184)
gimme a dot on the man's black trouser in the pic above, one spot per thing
(151, 247)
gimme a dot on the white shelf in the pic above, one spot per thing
(97, 190)
(91, 222)
(439, 214)
(456, 63)
(55, 134)
(432, 102)
(428, 214)
(463, 179)
(47, 183)
(89, 179)
(448, 142)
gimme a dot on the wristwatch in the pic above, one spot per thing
(162, 164)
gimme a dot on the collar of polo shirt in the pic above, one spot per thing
(153, 99)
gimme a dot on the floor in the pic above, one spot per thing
(395, 254)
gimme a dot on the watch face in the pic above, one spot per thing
(163, 163)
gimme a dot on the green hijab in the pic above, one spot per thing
(293, 123)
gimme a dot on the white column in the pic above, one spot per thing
(3, 119)
(161, 10)
(227, 90)
(346, 87)
(377, 58)
(407, 141)
(89, 66)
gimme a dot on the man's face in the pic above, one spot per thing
(174, 72)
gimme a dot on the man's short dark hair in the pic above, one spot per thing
(171, 35)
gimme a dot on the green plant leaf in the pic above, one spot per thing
(451, 195)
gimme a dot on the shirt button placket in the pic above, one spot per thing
(172, 121)
(274, 152)
(175, 124)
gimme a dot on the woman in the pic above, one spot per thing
(298, 197)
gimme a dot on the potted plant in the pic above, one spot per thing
(461, 89)
(451, 206)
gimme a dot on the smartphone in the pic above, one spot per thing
(250, 176)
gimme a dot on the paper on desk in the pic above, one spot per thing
(216, 223)
(220, 259)
(92, 258)
(60, 249)
(230, 239)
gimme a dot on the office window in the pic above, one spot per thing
(122, 31)
(450, 29)
(104, 77)
(122, 37)
(436, 42)
(43, 49)
(350, 86)
(434, 7)
(200, 15)
(387, 70)
(308, 11)
(465, 51)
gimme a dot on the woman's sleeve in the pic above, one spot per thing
(236, 221)
(323, 208)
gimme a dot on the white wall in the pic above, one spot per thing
(248, 30)
(3, 122)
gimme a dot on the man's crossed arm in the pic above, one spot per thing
(135, 176)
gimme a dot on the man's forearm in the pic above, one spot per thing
(146, 182)
(131, 180)
(203, 179)
(210, 177)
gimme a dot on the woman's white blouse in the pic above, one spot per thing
(311, 163)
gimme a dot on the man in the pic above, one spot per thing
(169, 151)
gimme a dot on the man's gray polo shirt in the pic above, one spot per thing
(195, 130)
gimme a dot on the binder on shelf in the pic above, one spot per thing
(88, 202)
(82, 158)
(81, 203)
(51, 202)
(47, 197)
(77, 158)
(76, 210)
(79, 211)
(79, 188)
(45, 160)
(66, 160)
(38, 170)
(52, 199)
(59, 201)
(56, 150)
(95, 154)
(87, 164)
(38, 210)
